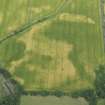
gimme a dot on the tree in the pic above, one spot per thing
(10, 89)
(100, 81)
(88, 94)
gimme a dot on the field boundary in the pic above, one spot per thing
(102, 19)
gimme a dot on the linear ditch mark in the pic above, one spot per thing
(29, 25)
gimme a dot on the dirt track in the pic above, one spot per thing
(102, 2)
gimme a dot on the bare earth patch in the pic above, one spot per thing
(1, 18)
(41, 9)
(76, 18)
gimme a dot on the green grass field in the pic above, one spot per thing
(29, 100)
(58, 54)
(32, 100)
(38, 100)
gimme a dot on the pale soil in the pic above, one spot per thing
(1, 18)
(20, 80)
(41, 9)
(75, 18)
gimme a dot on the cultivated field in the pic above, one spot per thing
(60, 53)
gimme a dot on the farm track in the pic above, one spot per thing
(103, 19)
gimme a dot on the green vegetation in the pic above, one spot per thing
(11, 50)
(100, 81)
(96, 96)
(58, 55)
(10, 90)
(52, 100)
